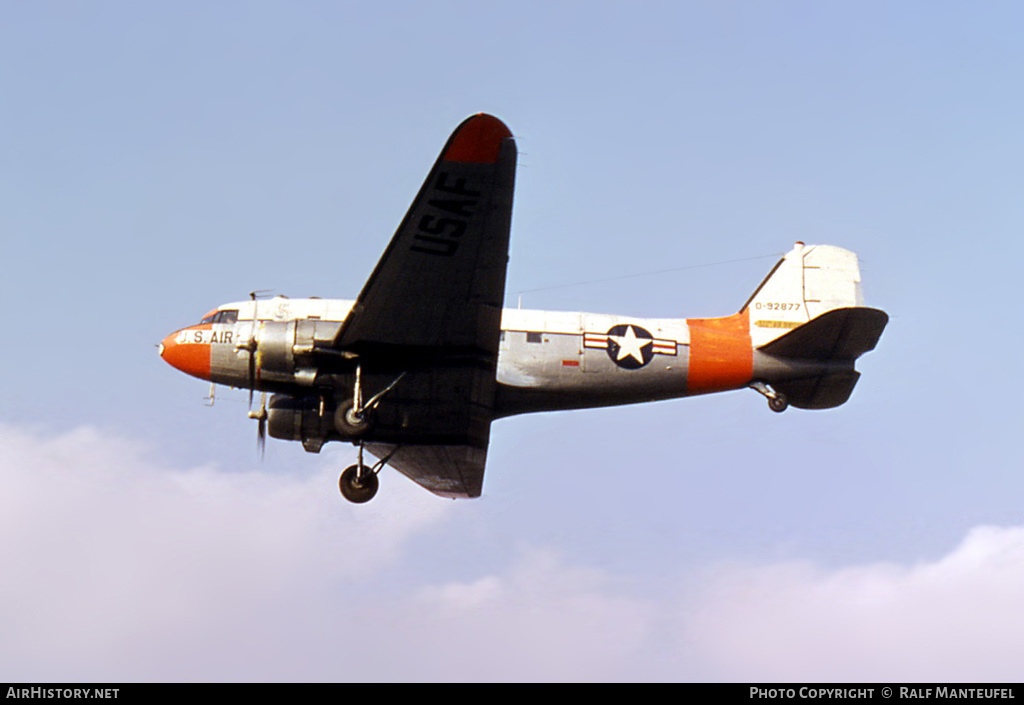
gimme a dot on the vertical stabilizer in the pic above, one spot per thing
(809, 281)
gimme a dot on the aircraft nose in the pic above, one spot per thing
(188, 350)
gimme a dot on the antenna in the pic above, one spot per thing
(642, 274)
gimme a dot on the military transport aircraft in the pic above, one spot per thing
(418, 366)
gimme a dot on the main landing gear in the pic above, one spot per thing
(353, 419)
(358, 483)
(777, 401)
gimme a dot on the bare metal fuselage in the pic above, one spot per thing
(547, 360)
(795, 341)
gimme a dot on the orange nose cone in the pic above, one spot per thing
(189, 351)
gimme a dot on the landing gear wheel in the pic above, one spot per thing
(356, 486)
(349, 423)
(778, 403)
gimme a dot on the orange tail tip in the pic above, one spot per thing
(477, 140)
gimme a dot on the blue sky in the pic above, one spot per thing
(158, 160)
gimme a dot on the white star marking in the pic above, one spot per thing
(630, 345)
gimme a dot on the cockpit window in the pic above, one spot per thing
(227, 316)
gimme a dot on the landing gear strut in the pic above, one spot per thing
(352, 418)
(777, 401)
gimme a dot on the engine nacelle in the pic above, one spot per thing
(306, 419)
(284, 349)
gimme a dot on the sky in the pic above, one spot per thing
(159, 159)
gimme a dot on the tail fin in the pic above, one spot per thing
(809, 281)
(808, 325)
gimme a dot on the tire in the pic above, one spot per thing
(347, 423)
(778, 403)
(356, 489)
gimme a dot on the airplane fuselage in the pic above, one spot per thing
(547, 360)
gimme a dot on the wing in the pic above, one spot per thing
(432, 309)
(453, 471)
(441, 280)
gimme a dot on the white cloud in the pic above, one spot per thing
(541, 619)
(116, 567)
(954, 619)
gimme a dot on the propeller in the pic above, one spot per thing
(261, 430)
(251, 346)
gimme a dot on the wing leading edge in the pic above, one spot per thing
(432, 310)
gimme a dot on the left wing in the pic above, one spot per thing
(441, 280)
(432, 309)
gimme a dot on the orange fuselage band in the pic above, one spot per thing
(721, 355)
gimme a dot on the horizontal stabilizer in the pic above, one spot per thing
(839, 334)
(822, 392)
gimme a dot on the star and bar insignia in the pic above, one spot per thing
(629, 346)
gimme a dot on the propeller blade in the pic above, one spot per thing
(252, 348)
(252, 375)
(261, 429)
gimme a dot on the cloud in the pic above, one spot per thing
(540, 619)
(117, 567)
(953, 619)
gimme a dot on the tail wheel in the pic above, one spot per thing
(356, 486)
(778, 403)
